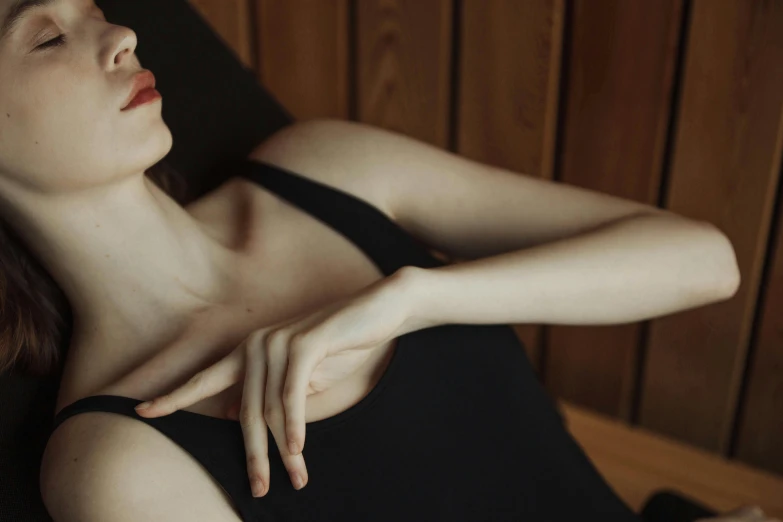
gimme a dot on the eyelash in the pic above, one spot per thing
(55, 42)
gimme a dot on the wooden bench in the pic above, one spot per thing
(637, 462)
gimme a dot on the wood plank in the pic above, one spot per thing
(725, 170)
(622, 60)
(508, 93)
(637, 463)
(403, 67)
(760, 437)
(230, 20)
(303, 55)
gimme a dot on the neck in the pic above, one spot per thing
(129, 258)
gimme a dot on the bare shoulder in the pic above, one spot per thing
(333, 152)
(101, 466)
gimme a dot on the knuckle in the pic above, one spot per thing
(256, 337)
(249, 418)
(255, 463)
(198, 381)
(300, 339)
(273, 415)
(289, 395)
(276, 340)
(275, 336)
(254, 341)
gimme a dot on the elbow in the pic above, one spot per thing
(726, 278)
(729, 285)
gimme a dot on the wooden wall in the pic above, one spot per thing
(677, 103)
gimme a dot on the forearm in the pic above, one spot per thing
(630, 270)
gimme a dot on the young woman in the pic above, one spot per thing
(304, 291)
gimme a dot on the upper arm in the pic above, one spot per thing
(325, 150)
(468, 209)
(107, 469)
(458, 206)
(461, 207)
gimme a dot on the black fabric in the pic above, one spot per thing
(458, 428)
(217, 112)
(671, 506)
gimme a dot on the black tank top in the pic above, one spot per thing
(458, 427)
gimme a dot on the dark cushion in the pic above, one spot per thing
(217, 112)
(671, 506)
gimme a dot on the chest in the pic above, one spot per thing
(304, 261)
(293, 263)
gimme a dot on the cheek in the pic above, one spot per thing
(66, 123)
(61, 129)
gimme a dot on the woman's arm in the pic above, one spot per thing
(536, 251)
(90, 473)
(633, 269)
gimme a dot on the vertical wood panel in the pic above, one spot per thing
(620, 78)
(508, 93)
(404, 65)
(725, 170)
(303, 55)
(231, 21)
(760, 437)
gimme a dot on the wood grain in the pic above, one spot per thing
(303, 55)
(404, 51)
(617, 104)
(760, 436)
(725, 170)
(508, 93)
(637, 463)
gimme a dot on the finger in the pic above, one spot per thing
(277, 360)
(251, 417)
(204, 384)
(300, 367)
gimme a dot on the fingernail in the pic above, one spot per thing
(144, 405)
(297, 479)
(292, 447)
(258, 488)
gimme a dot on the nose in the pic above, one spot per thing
(122, 47)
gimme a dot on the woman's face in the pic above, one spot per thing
(61, 124)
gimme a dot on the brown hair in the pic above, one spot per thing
(35, 316)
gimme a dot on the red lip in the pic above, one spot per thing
(142, 80)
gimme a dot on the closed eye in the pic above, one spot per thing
(54, 42)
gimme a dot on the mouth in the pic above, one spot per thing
(142, 90)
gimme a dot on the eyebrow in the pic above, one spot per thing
(19, 10)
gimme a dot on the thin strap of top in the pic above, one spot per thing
(387, 244)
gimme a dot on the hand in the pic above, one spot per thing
(747, 513)
(284, 363)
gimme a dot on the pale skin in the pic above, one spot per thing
(72, 184)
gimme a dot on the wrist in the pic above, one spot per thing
(409, 284)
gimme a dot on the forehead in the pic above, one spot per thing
(21, 6)
(14, 10)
